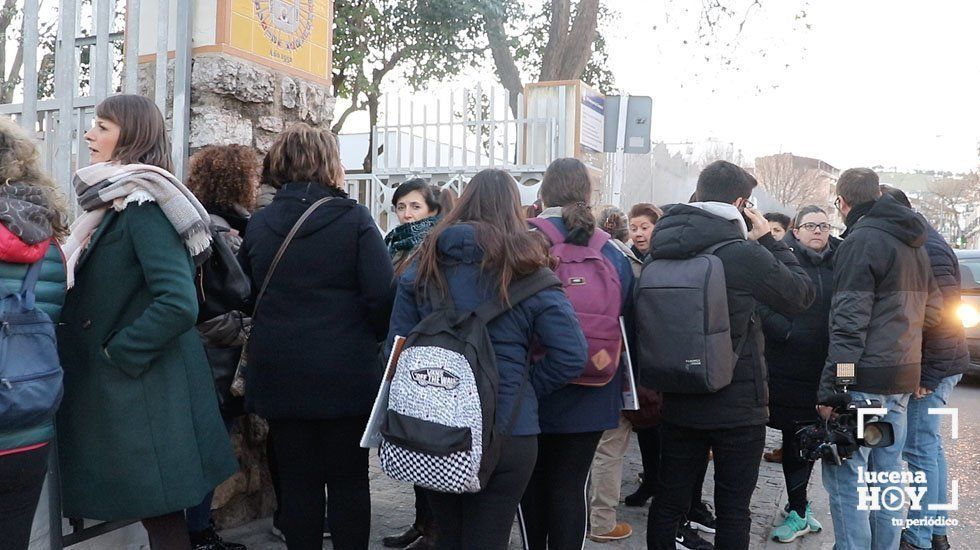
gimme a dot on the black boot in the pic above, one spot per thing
(639, 498)
(208, 539)
(404, 539)
(940, 542)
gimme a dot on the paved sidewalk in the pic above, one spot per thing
(393, 510)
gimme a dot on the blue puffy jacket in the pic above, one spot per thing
(580, 409)
(944, 351)
(547, 318)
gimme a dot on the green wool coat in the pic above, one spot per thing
(139, 432)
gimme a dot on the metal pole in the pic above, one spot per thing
(64, 91)
(28, 117)
(182, 88)
(620, 146)
(132, 46)
(163, 35)
(101, 67)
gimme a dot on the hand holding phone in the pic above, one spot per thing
(756, 222)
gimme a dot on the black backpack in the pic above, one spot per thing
(440, 428)
(684, 342)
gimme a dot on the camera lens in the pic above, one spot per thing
(872, 435)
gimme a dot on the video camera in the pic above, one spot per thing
(836, 439)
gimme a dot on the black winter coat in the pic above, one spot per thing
(763, 272)
(944, 351)
(313, 351)
(796, 345)
(884, 296)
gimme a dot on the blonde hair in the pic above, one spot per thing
(20, 162)
(303, 153)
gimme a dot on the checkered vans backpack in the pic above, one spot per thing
(440, 431)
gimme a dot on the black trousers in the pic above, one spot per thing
(797, 473)
(649, 443)
(554, 510)
(423, 511)
(21, 478)
(736, 452)
(482, 521)
(313, 453)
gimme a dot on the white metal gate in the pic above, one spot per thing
(92, 61)
(448, 136)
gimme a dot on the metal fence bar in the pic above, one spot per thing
(100, 63)
(132, 47)
(64, 91)
(163, 35)
(182, 88)
(28, 117)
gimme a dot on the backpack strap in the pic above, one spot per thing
(517, 292)
(715, 247)
(549, 229)
(26, 296)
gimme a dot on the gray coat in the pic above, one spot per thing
(884, 296)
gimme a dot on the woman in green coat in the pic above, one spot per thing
(139, 431)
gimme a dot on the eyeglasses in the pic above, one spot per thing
(837, 203)
(810, 226)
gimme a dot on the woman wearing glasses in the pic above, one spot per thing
(795, 351)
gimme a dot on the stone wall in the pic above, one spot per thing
(234, 101)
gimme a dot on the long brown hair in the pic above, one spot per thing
(492, 205)
(567, 184)
(142, 131)
(303, 153)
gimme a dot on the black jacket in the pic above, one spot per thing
(944, 351)
(884, 295)
(313, 351)
(796, 345)
(763, 272)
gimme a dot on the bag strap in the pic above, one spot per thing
(549, 229)
(282, 249)
(717, 246)
(517, 292)
(26, 296)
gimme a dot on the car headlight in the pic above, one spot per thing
(968, 315)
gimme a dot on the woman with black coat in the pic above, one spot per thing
(313, 366)
(796, 350)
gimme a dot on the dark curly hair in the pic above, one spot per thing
(224, 175)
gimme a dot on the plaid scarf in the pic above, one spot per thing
(26, 212)
(407, 236)
(108, 184)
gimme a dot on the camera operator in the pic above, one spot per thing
(731, 421)
(884, 295)
(945, 358)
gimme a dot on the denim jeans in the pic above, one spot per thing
(924, 453)
(856, 529)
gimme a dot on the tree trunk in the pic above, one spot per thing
(578, 48)
(561, 14)
(373, 99)
(503, 57)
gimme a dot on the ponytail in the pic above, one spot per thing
(567, 184)
(580, 223)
